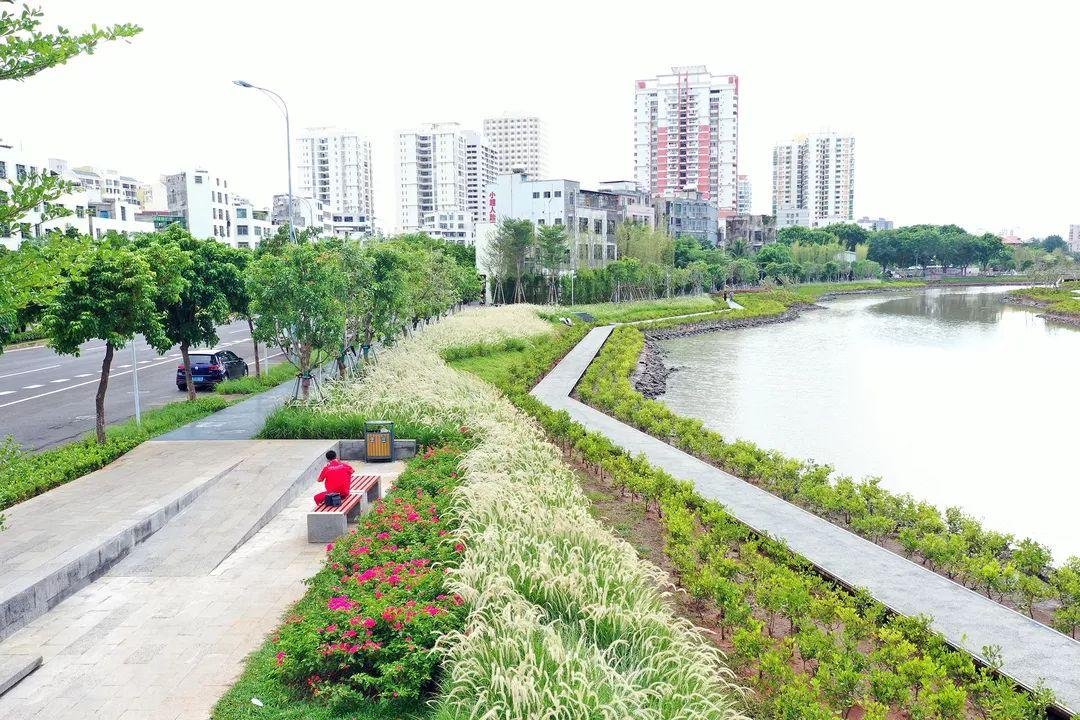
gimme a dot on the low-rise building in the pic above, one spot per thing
(253, 224)
(203, 199)
(688, 214)
(350, 225)
(874, 225)
(89, 210)
(1074, 238)
(756, 230)
(308, 212)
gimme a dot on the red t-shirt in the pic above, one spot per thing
(337, 475)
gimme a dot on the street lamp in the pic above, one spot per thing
(288, 146)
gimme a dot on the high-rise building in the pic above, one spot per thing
(334, 166)
(481, 169)
(686, 135)
(203, 200)
(520, 144)
(1074, 238)
(743, 195)
(431, 175)
(814, 180)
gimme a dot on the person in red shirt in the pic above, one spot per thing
(336, 475)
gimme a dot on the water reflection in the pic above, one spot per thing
(947, 394)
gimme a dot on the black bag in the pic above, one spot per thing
(333, 499)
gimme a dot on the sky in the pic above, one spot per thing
(962, 112)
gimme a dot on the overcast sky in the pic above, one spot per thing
(962, 112)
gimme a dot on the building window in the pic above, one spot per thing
(558, 221)
(541, 222)
(198, 179)
(123, 212)
(3, 170)
(558, 193)
(536, 196)
(241, 213)
(242, 229)
(258, 231)
(598, 227)
(20, 172)
(583, 224)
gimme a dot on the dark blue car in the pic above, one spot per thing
(208, 369)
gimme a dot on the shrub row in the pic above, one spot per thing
(366, 627)
(296, 422)
(952, 542)
(809, 649)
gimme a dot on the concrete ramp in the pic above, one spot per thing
(61, 541)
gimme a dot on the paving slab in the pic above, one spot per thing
(145, 642)
(1032, 652)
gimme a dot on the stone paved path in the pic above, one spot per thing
(1032, 651)
(164, 641)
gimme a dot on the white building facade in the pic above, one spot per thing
(1074, 238)
(686, 135)
(334, 166)
(814, 180)
(308, 213)
(203, 199)
(90, 210)
(481, 169)
(520, 144)
(744, 195)
(253, 224)
(431, 175)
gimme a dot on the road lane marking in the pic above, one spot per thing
(69, 387)
(31, 387)
(60, 380)
(46, 367)
(85, 375)
(123, 366)
(6, 392)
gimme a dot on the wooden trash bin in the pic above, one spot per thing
(379, 440)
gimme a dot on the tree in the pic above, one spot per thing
(510, 251)
(553, 253)
(25, 50)
(114, 291)
(849, 234)
(296, 299)
(212, 286)
(1054, 242)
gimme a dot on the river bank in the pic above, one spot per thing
(1061, 304)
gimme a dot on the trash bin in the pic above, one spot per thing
(379, 440)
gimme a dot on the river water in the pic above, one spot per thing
(947, 394)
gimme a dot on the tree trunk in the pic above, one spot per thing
(103, 385)
(255, 343)
(184, 346)
(305, 371)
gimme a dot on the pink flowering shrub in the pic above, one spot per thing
(365, 629)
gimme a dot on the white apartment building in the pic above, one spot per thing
(91, 211)
(520, 144)
(814, 180)
(334, 166)
(253, 224)
(203, 199)
(686, 135)
(743, 195)
(431, 175)
(481, 169)
(1074, 238)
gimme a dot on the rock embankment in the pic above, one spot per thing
(650, 378)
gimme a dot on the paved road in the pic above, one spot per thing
(48, 399)
(1031, 651)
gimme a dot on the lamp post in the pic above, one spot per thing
(288, 146)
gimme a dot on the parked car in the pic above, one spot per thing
(208, 369)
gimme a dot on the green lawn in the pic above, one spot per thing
(644, 309)
(251, 384)
(1061, 300)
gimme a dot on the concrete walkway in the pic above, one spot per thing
(1032, 651)
(165, 632)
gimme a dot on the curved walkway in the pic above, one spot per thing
(1032, 651)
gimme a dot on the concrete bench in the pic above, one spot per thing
(328, 522)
